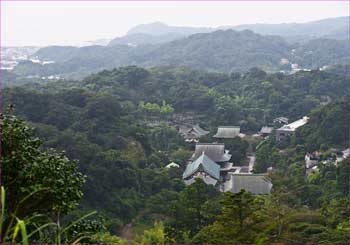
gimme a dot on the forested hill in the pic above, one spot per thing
(157, 32)
(254, 92)
(121, 126)
(223, 51)
(329, 126)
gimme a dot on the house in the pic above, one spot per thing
(227, 132)
(211, 163)
(192, 133)
(289, 129)
(311, 160)
(265, 131)
(281, 120)
(172, 165)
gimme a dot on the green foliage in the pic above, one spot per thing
(106, 238)
(236, 223)
(26, 168)
(154, 235)
(122, 145)
(190, 212)
(328, 126)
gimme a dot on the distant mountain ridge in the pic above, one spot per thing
(222, 51)
(157, 32)
(159, 28)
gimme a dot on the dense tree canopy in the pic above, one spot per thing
(120, 128)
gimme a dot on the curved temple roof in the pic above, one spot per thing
(215, 151)
(208, 165)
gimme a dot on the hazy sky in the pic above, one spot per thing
(69, 23)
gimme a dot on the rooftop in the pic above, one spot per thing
(227, 132)
(208, 166)
(194, 131)
(294, 125)
(215, 151)
(254, 183)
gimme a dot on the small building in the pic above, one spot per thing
(265, 131)
(311, 160)
(281, 120)
(254, 183)
(227, 132)
(203, 167)
(289, 129)
(192, 133)
(172, 165)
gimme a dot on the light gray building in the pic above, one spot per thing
(227, 132)
(289, 129)
(254, 183)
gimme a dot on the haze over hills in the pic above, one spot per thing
(223, 49)
(157, 32)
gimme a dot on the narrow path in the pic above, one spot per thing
(127, 234)
(251, 162)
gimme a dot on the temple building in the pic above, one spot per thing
(254, 183)
(215, 151)
(289, 129)
(203, 167)
(211, 163)
(227, 132)
(192, 133)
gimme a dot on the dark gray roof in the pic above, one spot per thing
(192, 132)
(255, 183)
(208, 166)
(199, 130)
(214, 151)
(227, 132)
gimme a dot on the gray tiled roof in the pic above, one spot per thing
(208, 166)
(227, 132)
(214, 151)
(192, 132)
(199, 130)
(255, 183)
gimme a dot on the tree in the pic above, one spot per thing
(190, 211)
(154, 235)
(36, 181)
(237, 222)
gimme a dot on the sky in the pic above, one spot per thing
(45, 23)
